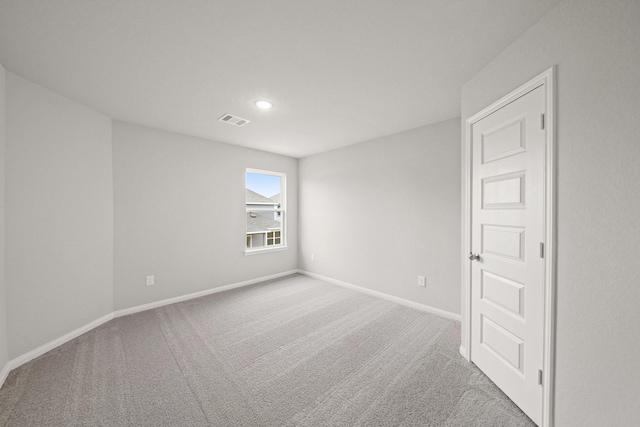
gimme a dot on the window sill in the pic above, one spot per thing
(265, 250)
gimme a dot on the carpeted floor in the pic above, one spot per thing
(290, 352)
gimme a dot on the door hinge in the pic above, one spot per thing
(541, 250)
(541, 121)
(539, 376)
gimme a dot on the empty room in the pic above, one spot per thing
(320, 213)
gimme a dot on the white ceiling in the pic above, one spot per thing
(338, 71)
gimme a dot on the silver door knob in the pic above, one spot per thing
(474, 257)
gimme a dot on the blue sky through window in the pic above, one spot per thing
(266, 185)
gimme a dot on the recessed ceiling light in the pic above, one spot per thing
(264, 105)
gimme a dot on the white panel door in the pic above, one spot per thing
(507, 229)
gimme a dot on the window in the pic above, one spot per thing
(265, 210)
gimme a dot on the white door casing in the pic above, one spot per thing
(509, 288)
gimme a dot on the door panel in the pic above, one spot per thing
(503, 242)
(504, 191)
(507, 227)
(505, 293)
(505, 345)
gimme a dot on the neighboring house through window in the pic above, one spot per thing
(265, 210)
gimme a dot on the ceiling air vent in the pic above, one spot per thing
(233, 120)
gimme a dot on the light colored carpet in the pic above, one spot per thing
(290, 352)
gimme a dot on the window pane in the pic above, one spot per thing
(264, 212)
(262, 186)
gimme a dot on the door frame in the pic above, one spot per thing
(547, 78)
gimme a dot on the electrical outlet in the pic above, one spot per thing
(313, 257)
(151, 280)
(422, 281)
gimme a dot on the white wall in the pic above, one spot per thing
(59, 215)
(4, 353)
(380, 213)
(180, 214)
(596, 47)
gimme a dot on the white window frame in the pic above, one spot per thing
(281, 211)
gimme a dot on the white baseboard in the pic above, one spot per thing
(156, 304)
(4, 373)
(397, 300)
(465, 353)
(21, 360)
